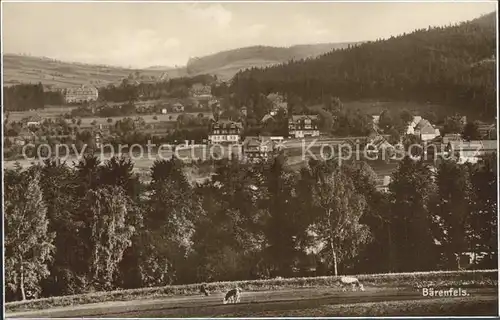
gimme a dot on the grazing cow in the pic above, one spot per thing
(204, 290)
(232, 296)
(352, 281)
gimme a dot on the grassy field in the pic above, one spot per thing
(46, 113)
(375, 107)
(24, 69)
(56, 111)
(473, 306)
(411, 281)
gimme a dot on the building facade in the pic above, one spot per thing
(303, 126)
(225, 131)
(80, 94)
(470, 151)
(258, 149)
(34, 120)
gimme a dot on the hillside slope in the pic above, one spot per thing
(227, 63)
(26, 69)
(454, 65)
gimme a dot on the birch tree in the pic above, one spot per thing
(110, 233)
(28, 244)
(339, 208)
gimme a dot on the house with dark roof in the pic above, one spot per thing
(225, 131)
(258, 149)
(300, 126)
(379, 145)
(425, 130)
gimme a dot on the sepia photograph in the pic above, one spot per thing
(249, 159)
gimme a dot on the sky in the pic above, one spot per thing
(138, 35)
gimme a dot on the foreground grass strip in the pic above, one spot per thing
(474, 306)
(436, 279)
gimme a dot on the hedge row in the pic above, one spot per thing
(469, 278)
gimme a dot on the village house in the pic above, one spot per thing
(33, 120)
(199, 90)
(278, 103)
(225, 131)
(258, 149)
(422, 128)
(487, 131)
(379, 145)
(177, 107)
(452, 137)
(80, 94)
(470, 151)
(266, 118)
(300, 126)
(383, 184)
(410, 127)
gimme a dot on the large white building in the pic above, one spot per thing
(470, 151)
(225, 131)
(80, 94)
(303, 126)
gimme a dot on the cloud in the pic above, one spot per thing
(311, 28)
(142, 47)
(213, 13)
(254, 30)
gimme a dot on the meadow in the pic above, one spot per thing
(25, 69)
(413, 281)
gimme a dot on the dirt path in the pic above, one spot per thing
(278, 303)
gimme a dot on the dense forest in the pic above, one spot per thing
(24, 97)
(452, 65)
(95, 226)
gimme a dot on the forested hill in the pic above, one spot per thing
(452, 65)
(226, 64)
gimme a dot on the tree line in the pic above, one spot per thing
(172, 88)
(24, 97)
(96, 226)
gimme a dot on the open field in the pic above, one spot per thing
(394, 294)
(376, 107)
(305, 302)
(24, 69)
(51, 112)
(54, 112)
(411, 283)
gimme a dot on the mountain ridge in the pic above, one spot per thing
(21, 68)
(231, 61)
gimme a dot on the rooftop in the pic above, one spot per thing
(475, 144)
(304, 116)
